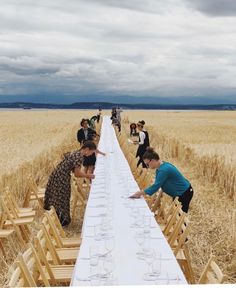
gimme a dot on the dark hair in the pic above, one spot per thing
(150, 154)
(94, 118)
(84, 120)
(90, 145)
(133, 125)
(142, 122)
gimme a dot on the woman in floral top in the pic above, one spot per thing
(58, 189)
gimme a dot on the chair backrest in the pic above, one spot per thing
(173, 216)
(53, 216)
(53, 227)
(8, 206)
(47, 244)
(178, 235)
(16, 277)
(27, 269)
(156, 202)
(43, 261)
(12, 204)
(211, 273)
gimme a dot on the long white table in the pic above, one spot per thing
(114, 224)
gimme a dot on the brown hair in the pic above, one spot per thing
(150, 154)
(90, 145)
(84, 120)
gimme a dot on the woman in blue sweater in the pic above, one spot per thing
(168, 178)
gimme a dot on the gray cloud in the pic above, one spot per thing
(93, 47)
(215, 7)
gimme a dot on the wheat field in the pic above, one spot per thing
(200, 144)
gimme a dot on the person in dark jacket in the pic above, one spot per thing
(113, 113)
(143, 143)
(85, 133)
(99, 114)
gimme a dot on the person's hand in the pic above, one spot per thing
(137, 195)
(104, 154)
(90, 176)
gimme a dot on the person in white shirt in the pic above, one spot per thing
(143, 143)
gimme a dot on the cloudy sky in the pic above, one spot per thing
(59, 49)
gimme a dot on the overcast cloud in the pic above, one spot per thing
(154, 48)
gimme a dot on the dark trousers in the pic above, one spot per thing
(186, 198)
(141, 161)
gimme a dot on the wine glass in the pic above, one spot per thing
(97, 233)
(109, 244)
(139, 237)
(149, 258)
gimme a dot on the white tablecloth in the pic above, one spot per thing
(108, 199)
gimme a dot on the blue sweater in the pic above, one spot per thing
(170, 180)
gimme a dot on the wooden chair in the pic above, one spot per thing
(58, 233)
(34, 193)
(174, 219)
(20, 225)
(32, 269)
(54, 274)
(20, 275)
(57, 256)
(165, 210)
(183, 258)
(178, 237)
(14, 209)
(79, 198)
(27, 269)
(155, 203)
(211, 273)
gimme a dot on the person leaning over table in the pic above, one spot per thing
(58, 189)
(168, 177)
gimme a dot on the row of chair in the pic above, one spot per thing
(50, 240)
(49, 259)
(173, 221)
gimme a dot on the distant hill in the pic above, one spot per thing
(108, 105)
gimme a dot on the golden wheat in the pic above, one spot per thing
(212, 173)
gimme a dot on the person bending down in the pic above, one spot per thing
(58, 189)
(168, 178)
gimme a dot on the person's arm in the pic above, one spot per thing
(161, 177)
(142, 138)
(79, 174)
(100, 152)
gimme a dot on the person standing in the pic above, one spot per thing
(92, 123)
(143, 143)
(58, 189)
(133, 131)
(168, 178)
(118, 116)
(85, 133)
(99, 114)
